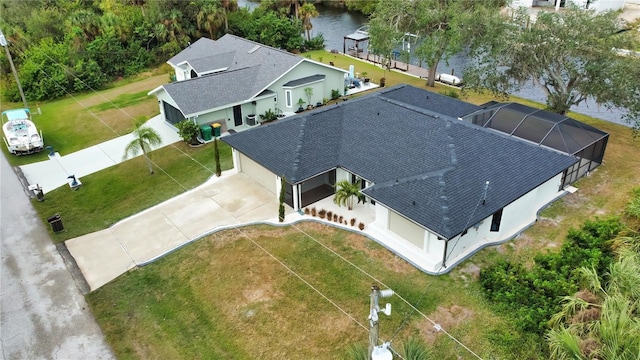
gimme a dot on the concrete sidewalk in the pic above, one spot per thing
(51, 174)
(225, 202)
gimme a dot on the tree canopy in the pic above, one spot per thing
(570, 55)
(60, 47)
(443, 27)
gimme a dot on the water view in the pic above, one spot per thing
(334, 23)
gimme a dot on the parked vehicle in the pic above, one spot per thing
(20, 133)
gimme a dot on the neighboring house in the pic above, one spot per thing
(599, 5)
(441, 188)
(232, 81)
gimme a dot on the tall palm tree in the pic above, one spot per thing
(602, 322)
(306, 12)
(227, 6)
(209, 19)
(346, 191)
(144, 138)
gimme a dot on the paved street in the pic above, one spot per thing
(43, 314)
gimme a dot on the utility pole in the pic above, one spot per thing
(377, 352)
(3, 43)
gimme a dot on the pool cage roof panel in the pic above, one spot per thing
(542, 127)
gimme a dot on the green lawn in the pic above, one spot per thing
(127, 188)
(83, 120)
(222, 297)
(225, 298)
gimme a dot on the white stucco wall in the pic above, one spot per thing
(181, 72)
(333, 80)
(515, 217)
(423, 248)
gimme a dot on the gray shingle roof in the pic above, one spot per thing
(213, 62)
(242, 57)
(213, 91)
(425, 167)
(305, 80)
(197, 50)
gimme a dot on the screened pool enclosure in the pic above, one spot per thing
(547, 129)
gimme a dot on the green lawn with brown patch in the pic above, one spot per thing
(225, 297)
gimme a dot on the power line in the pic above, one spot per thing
(383, 284)
(64, 68)
(438, 327)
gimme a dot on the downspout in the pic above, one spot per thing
(444, 256)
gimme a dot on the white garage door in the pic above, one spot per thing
(258, 173)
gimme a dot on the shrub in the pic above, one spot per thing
(450, 93)
(361, 226)
(335, 217)
(353, 222)
(188, 131)
(533, 296)
(329, 215)
(306, 211)
(335, 94)
(322, 213)
(340, 219)
(268, 116)
(313, 211)
(316, 43)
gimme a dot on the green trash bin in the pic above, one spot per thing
(216, 129)
(206, 132)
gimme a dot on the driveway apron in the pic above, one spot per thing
(228, 201)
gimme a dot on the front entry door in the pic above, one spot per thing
(237, 115)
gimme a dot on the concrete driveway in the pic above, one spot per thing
(231, 200)
(51, 174)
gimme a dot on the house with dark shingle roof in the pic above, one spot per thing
(441, 188)
(232, 81)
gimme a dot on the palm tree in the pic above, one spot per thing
(346, 191)
(209, 19)
(228, 6)
(144, 138)
(601, 322)
(306, 12)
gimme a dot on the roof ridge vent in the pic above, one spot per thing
(253, 49)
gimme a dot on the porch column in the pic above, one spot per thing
(296, 196)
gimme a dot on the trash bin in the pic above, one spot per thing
(216, 129)
(56, 223)
(206, 132)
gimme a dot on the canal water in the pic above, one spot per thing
(334, 23)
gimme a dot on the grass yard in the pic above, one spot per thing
(74, 123)
(225, 298)
(127, 188)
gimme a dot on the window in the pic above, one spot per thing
(495, 221)
(287, 96)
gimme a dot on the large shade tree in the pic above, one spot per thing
(570, 56)
(444, 27)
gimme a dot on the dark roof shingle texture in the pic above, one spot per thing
(431, 170)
